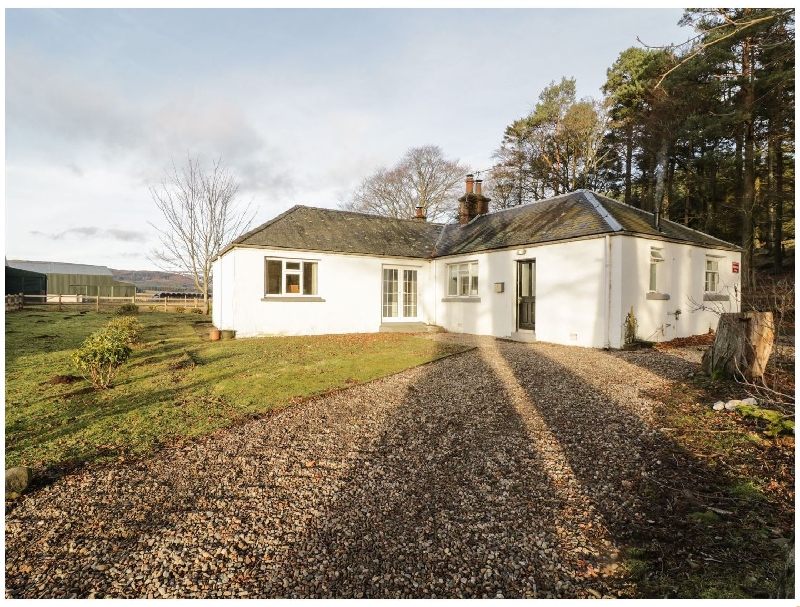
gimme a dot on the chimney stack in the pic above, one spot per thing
(419, 215)
(473, 202)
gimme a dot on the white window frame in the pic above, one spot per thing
(656, 257)
(465, 274)
(713, 270)
(299, 271)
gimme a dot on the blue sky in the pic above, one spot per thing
(300, 104)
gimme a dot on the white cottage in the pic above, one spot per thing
(565, 270)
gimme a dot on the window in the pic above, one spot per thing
(655, 258)
(290, 277)
(712, 275)
(462, 279)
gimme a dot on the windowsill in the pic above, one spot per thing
(467, 299)
(292, 298)
(657, 296)
(716, 297)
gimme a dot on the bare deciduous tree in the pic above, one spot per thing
(201, 214)
(423, 177)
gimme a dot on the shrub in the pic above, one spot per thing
(196, 311)
(101, 356)
(180, 309)
(127, 309)
(129, 328)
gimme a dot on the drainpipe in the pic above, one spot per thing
(608, 292)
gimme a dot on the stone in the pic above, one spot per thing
(719, 406)
(750, 401)
(17, 480)
(731, 405)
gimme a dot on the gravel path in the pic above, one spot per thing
(510, 470)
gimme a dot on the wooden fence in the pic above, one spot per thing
(93, 302)
(14, 302)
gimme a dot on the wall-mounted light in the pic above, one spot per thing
(499, 287)
(522, 251)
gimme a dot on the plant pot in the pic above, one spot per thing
(228, 334)
(213, 334)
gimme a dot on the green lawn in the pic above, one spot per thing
(176, 384)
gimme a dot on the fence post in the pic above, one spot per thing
(165, 303)
(21, 301)
(59, 302)
(98, 300)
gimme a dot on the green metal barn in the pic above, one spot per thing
(24, 281)
(76, 278)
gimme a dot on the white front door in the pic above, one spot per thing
(399, 301)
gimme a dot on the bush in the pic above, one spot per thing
(180, 309)
(101, 356)
(129, 328)
(196, 311)
(127, 309)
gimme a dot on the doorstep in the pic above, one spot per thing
(524, 336)
(408, 327)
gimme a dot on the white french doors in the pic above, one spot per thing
(399, 294)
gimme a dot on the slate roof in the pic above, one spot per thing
(314, 229)
(575, 215)
(54, 267)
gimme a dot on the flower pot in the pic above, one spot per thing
(213, 334)
(228, 334)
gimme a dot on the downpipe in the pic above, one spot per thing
(608, 293)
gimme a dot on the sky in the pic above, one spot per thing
(300, 104)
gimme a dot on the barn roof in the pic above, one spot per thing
(54, 267)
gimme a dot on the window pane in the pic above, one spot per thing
(452, 281)
(410, 293)
(309, 278)
(293, 283)
(653, 271)
(292, 265)
(390, 303)
(463, 279)
(473, 275)
(274, 268)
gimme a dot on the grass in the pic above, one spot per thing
(727, 505)
(176, 385)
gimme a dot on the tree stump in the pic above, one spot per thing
(741, 347)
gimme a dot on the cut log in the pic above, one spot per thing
(741, 347)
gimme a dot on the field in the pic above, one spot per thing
(176, 385)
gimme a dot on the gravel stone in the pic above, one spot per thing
(493, 473)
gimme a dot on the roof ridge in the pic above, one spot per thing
(373, 215)
(526, 204)
(602, 211)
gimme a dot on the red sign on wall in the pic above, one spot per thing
(735, 267)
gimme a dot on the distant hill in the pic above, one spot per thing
(151, 280)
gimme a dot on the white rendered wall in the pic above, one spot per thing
(681, 276)
(570, 293)
(223, 302)
(350, 286)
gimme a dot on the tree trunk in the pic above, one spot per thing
(741, 347)
(777, 251)
(749, 174)
(628, 160)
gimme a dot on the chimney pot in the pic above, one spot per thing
(419, 214)
(478, 183)
(470, 181)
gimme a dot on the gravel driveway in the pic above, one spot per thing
(509, 470)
